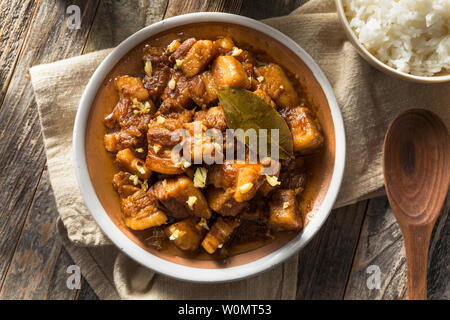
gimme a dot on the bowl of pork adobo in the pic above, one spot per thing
(209, 147)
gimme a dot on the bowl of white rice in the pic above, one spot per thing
(409, 39)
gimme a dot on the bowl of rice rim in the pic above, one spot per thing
(404, 38)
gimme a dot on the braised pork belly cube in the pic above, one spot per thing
(181, 198)
(222, 202)
(182, 50)
(128, 160)
(248, 180)
(219, 233)
(200, 146)
(198, 57)
(122, 139)
(284, 212)
(246, 59)
(125, 184)
(277, 85)
(305, 129)
(140, 211)
(177, 89)
(224, 45)
(202, 89)
(213, 118)
(186, 234)
(156, 55)
(229, 72)
(131, 87)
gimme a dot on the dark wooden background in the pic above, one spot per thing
(33, 262)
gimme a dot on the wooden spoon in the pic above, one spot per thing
(417, 174)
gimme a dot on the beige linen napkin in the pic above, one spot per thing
(368, 99)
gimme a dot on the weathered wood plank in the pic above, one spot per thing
(324, 264)
(58, 289)
(15, 17)
(177, 7)
(263, 9)
(381, 245)
(86, 292)
(22, 157)
(116, 20)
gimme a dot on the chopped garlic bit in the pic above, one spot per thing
(285, 205)
(281, 87)
(172, 83)
(135, 179)
(176, 234)
(140, 168)
(236, 51)
(200, 177)
(298, 190)
(246, 187)
(191, 201)
(164, 182)
(203, 223)
(173, 46)
(148, 68)
(260, 79)
(178, 63)
(183, 164)
(140, 150)
(141, 108)
(272, 180)
(220, 246)
(144, 185)
(156, 148)
(160, 119)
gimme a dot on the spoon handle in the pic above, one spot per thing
(417, 239)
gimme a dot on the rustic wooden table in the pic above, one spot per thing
(33, 262)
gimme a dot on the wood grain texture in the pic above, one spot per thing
(325, 263)
(22, 157)
(118, 19)
(381, 244)
(15, 17)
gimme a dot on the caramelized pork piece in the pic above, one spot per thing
(276, 84)
(201, 145)
(247, 61)
(124, 184)
(219, 233)
(222, 202)
(241, 178)
(182, 50)
(140, 211)
(284, 214)
(248, 180)
(127, 160)
(157, 82)
(228, 72)
(123, 139)
(224, 45)
(213, 118)
(131, 87)
(156, 55)
(305, 129)
(198, 57)
(186, 234)
(131, 115)
(202, 89)
(181, 198)
(162, 135)
(177, 89)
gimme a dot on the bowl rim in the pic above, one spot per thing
(374, 61)
(132, 249)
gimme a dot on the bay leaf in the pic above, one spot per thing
(245, 110)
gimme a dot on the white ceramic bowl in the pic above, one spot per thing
(163, 266)
(377, 63)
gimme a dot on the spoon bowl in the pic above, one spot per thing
(416, 174)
